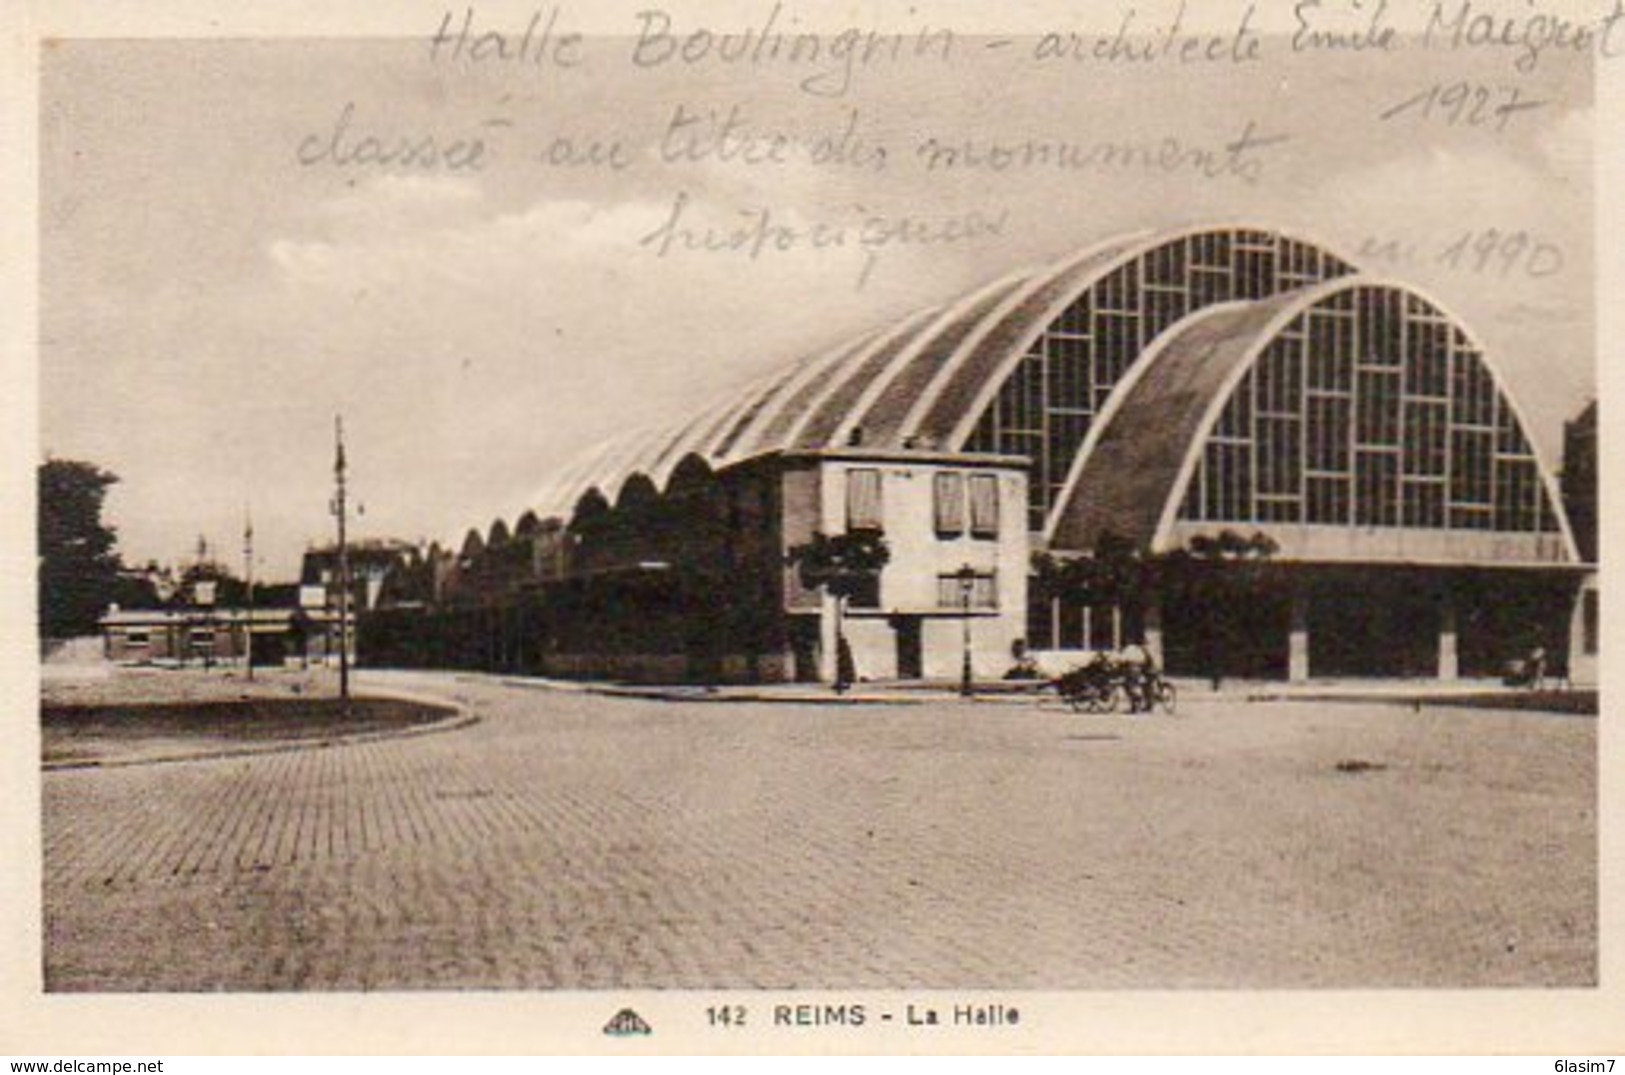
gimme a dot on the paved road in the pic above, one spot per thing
(575, 841)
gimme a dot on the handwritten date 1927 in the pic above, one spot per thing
(1465, 104)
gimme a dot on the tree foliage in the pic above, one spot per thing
(840, 564)
(844, 566)
(1227, 565)
(1226, 574)
(1116, 572)
(79, 569)
(1229, 546)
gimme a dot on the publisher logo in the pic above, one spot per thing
(627, 1024)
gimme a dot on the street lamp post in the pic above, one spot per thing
(248, 579)
(967, 583)
(340, 510)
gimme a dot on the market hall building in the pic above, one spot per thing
(1310, 471)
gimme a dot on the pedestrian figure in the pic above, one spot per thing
(1537, 668)
(1135, 664)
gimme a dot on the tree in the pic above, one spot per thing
(1224, 574)
(1115, 573)
(844, 566)
(143, 587)
(78, 562)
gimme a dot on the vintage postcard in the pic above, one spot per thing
(799, 527)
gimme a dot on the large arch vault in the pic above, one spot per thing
(1019, 367)
(1342, 416)
(1185, 393)
(1162, 382)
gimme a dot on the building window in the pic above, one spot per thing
(1472, 390)
(864, 508)
(984, 506)
(1331, 351)
(1229, 481)
(1328, 500)
(136, 637)
(1280, 469)
(983, 593)
(1472, 462)
(1427, 438)
(1328, 433)
(1376, 499)
(1377, 408)
(1517, 495)
(1427, 367)
(949, 503)
(1424, 504)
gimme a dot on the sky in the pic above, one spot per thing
(209, 302)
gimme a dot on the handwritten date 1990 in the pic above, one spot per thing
(1487, 251)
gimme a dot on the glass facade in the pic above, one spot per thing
(1370, 409)
(1044, 410)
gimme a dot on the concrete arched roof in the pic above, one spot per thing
(948, 409)
(879, 410)
(817, 426)
(1136, 458)
(1131, 474)
(773, 422)
(922, 382)
(945, 411)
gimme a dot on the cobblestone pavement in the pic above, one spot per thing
(576, 841)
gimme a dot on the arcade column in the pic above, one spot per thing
(1449, 662)
(1297, 663)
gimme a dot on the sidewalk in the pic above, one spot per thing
(938, 692)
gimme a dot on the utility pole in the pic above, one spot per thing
(248, 578)
(208, 607)
(967, 584)
(344, 564)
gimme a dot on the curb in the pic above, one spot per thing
(711, 696)
(925, 696)
(460, 717)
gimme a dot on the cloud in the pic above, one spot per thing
(424, 239)
(480, 345)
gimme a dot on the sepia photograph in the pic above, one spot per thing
(838, 527)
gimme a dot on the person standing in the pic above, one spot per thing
(1137, 667)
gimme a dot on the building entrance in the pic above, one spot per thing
(910, 647)
(1373, 624)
